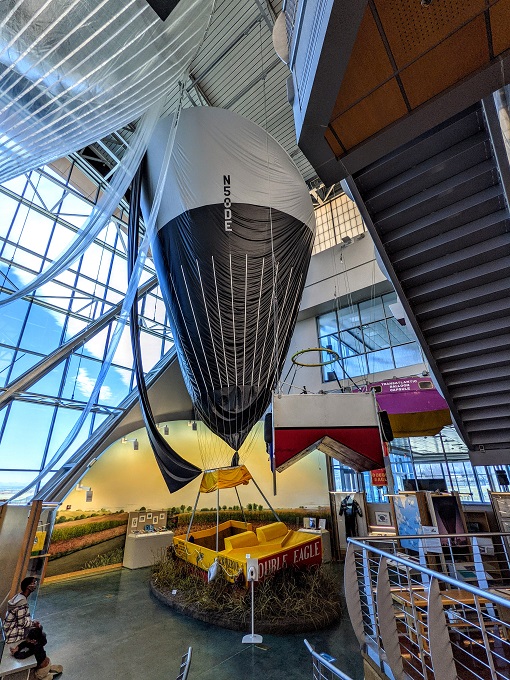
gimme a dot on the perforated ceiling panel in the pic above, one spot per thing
(412, 28)
(407, 53)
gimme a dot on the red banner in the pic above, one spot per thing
(379, 477)
(305, 554)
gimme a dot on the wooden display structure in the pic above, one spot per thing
(500, 501)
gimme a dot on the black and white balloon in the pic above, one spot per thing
(232, 248)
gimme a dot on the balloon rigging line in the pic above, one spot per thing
(214, 349)
(252, 404)
(269, 319)
(233, 315)
(190, 299)
(208, 320)
(275, 358)
(274, 272)
(222, 335)
(220, 321)
(180, 335)
(258, 320)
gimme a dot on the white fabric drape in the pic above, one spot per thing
(103, 210)
(73, 71)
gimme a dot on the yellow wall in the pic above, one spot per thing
(123, 478)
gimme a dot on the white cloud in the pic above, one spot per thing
(86, 384)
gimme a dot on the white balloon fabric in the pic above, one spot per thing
(73, 71)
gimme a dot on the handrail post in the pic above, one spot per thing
(441, 653)
(352, 595)
(387, 621)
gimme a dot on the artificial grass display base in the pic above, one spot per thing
(289, 601)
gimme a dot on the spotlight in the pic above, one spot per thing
(166, 430)
(194, 426)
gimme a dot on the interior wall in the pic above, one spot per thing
(123, 478)
(13, 523)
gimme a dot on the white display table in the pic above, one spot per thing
(142, 550)
(326, 542)
(15, 669)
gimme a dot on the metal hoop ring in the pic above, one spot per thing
(335, 357)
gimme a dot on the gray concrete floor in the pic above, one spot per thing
(109, 627)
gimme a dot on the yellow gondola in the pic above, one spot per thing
(227, 545)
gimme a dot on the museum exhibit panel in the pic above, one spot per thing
(254, 333)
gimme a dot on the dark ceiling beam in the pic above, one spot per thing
(498, 144)
(199, 91)
(267, 12)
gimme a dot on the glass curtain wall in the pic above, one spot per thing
(336, 219)
(415, 458)
(367, 338)
(39, 214)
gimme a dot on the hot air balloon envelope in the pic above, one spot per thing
(234, 237)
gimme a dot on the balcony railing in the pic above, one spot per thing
(434, 606)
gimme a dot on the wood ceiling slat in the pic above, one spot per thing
(411, 29)
(500, 26)
(458, 56)
(379, 109)
(368, 67)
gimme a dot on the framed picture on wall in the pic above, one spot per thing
(383, 519)
(134, 522)
(155, 519)
(141, 519)
(407, 515)
(162, 515)
(149, 516)
(449, 518)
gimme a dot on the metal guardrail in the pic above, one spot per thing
(432, 606)
(322, 668)
(185, 665)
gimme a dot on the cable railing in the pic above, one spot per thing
(432, 606)
(322, 666)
